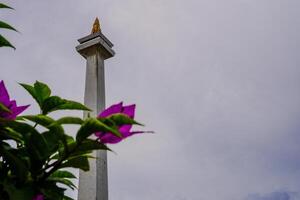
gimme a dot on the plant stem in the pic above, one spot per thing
(57, 164)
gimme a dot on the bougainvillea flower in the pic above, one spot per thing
(38, 197)
(10, 104)
(123, 129)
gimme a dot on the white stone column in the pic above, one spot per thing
(95, 48)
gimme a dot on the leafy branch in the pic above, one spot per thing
(36, 164)
(3, 25)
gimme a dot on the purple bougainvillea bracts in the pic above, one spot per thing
(10, 104)
(124, 129)
(38, 197)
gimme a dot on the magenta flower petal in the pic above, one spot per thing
(125, 128)
(10, 104)
(99, 134)
(116, 108)
(20, 109)
(128, 134)
(4, 97)
(112, 139)
(139, 132)
(38, 197)
(129, 110)
(109, 138)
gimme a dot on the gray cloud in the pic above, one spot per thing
(282, 195)
(218, 81)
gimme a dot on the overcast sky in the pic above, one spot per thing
(218, 81)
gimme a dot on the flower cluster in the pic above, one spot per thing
(107, 137)
(35, 149)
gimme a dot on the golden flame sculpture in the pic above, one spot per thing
(96, 26)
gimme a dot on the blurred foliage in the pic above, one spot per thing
(35, 149)
(3, 25)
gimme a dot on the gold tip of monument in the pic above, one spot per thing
(96, 26)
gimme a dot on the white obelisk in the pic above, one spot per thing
(95, 48)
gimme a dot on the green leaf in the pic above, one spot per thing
(24, 192)
(70, 120)
(40, 119)
(52, 191)
(17, 165)
(62, 177)
(92, 125)
(5, 43)
(38, 146)
(39, 91)
(77, 162)
(89, 145)
(24, 129)
(5, 6)
(69, 139)
(121, 119)
(35, 142)
(14, 135)
(55, 157)
(49, 123)
(7, 26)
(81, 153)
(53, 141)
(63, 181)
(42, 90)
(30, 89)
(3, 108)
(54, 136)
(67, 198)
(63, 174)
(54, 103)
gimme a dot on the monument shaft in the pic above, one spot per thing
(93, 185)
